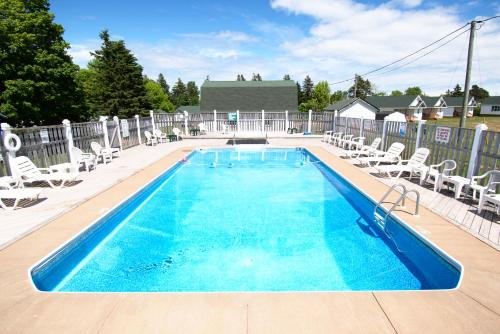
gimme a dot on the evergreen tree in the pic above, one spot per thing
(256, 77)
(240, 77)
(157, 96)
(457, 91)
(307, 89)
(179, 94)
(286, 77)
(121, 90)
(300, 94)
(193, 94)
(87, 80)
(363, 87)
(163, 83)
(38, 83)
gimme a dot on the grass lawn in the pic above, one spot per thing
(493, 122)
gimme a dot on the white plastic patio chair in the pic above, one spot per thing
(490, 187)
(225, 129)
(29, 173)
(416, 162)
(101, 153)
(436, 172)
(491, 198)
(160, 136)
(177, 132)
(335, 138)
(9, 190)
(150, 140)
(203, 128)
(366, 150)
(391, 156)
(85, 159)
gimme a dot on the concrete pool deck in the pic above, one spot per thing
(473, 307)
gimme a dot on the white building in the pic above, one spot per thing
(491, 106)
(355, 108)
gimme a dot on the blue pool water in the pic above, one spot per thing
(260, 220)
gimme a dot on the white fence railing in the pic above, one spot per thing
(475, 150)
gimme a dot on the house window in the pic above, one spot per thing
(495, 108)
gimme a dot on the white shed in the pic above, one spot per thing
(395, 117)
(354, 108)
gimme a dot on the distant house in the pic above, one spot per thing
(491, 106)
(356, 108)
(454, 106)
(411, 106)
(434, 106)
(268, 95)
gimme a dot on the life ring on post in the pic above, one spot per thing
(10, 137)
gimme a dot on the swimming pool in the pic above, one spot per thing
(246, 220)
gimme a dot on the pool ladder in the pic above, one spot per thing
(380, 219)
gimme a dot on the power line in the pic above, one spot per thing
(405, 57)
(422, 56)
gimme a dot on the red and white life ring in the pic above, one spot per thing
(7, 142)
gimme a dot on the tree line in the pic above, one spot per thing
(40, 84)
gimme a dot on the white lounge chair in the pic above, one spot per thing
(365, 150)
(101, 153)
(11, 192)
(203, 128)
(177, 132)
(85, 159)
(335, 138)
(344, 140)
(326, 136)
(354, 143)
(150, 140)
(160, 136)
(412, 165)
(29, 173)
(436, 172)
(391, 156)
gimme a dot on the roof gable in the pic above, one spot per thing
(434, 101)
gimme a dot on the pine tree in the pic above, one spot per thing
(256, 77)
(38, 80)
(300, 94)
(243, 78)
(163, 83)
(121, 87)
(307, 89)
(193, 94)
(457, 91)
(286, 77)
(179, 95)
(238, 77)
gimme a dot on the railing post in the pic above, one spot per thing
(215, 120)
(118, 130)
(287, 126)
(420, 127)
(476, 147)
(8, 156)
(384, 133)
(237, 121)
(309, 121)
(152, 115)
(262, 121)
(69, 139)
(186, 118)
(138, 128)
(104, 121)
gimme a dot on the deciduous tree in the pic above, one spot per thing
(414, 91)
(157, 96)
(396, 93)
(38, 83)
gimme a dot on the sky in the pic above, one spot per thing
(326, 39)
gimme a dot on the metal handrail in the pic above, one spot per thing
(401, 200)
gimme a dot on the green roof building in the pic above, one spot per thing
(268, 95)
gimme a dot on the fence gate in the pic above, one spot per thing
(113, 134)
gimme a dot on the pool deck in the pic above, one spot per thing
(472, 308)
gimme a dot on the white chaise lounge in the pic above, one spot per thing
(391, 156)
(10, 192)
(29, 173)
(412, 165)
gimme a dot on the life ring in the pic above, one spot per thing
(7, 142)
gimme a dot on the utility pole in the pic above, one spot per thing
(465, 103)
(355, 84)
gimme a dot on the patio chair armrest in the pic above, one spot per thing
(45, 170)
(474, 178)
